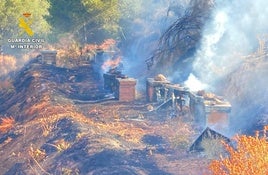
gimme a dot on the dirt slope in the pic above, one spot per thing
(53, 134)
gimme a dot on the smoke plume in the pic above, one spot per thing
(231, 34)
(145, 32)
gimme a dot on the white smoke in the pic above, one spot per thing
(146, 31)
(194, 84)
(208, 64)
(232, 32)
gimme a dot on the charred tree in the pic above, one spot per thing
(182, 37)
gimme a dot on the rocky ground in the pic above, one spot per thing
(62, 126)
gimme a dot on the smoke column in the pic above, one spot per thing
(230, 34)
(146, 30)
(232, 31)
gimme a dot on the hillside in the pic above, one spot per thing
(246, 89)
(54, 133)
(60, 119)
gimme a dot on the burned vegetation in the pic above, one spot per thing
(180, 41)
(63, 121)
(72, 110)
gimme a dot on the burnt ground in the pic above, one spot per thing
(62, 126)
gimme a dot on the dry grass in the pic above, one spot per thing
(177, 132)
(8, 63)
(127, 131)
(69, 52)
(109, 122)
(46, 127)
(179, 141)
(41, 106)
(213, 148)
(37, 154)
(68, 171)
(62, 145)
(184, 166)
(47, 124)
(108, 125)
(6, 124)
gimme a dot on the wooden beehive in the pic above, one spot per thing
(49, 57)
(125, 89)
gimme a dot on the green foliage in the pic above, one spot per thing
(12, 10)
(84, 18)
(104, 13)
(93, 20)
(66, 15)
